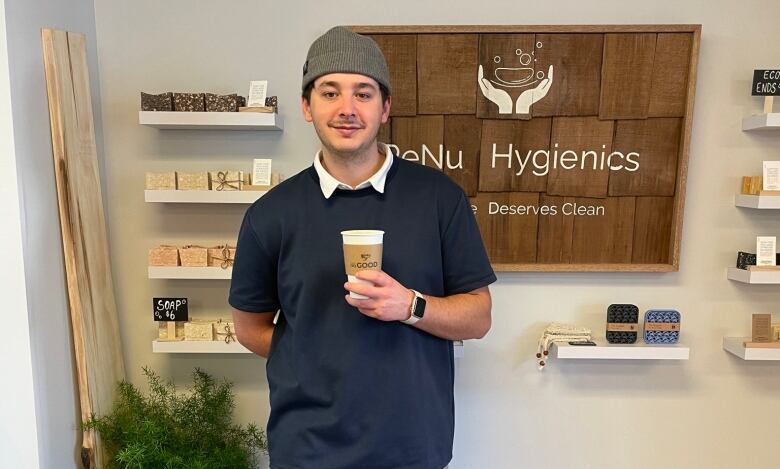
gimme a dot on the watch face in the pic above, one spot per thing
(419, 307)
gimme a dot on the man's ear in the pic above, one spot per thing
(386, 109)
(306, 109)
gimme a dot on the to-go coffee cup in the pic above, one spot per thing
(362, 251)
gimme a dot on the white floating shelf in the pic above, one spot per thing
(192, 273)
(211, 120)
(606, 351)
(757, 201)
(219, 346)
(198, 346)
(761, 121)
(754, 277)
(203, 197)
(736, 345)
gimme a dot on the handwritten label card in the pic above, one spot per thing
(170, 309)
(261, 172)
(257, 93)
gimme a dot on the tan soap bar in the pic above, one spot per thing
(199, 330)
(161, 181)
(194, 256)
(164, 256)
(192, 181)
(226, 180)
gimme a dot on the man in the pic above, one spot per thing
(359, 383)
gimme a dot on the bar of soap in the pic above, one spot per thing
(157, 102)
(221, 103)
(189, 102)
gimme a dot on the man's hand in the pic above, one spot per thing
(387, 300)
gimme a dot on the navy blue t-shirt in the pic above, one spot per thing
(348, 391)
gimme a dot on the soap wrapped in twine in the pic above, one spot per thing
(223, 328)
(222, 181)
(226, 261)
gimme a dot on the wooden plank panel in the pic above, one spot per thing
(554, 241)
(461, 144)
(96, 339)
(606, 238)
(385, 134)
(652, 230)
(682, 166)
(576, 61)
(587, 138)
(446, 73)
(507, 62)
(625, 88)
(670, 75)
(513, 139)
(419, 138)
(400, 51)
(657, 142)
(507, 237)
(530, 28)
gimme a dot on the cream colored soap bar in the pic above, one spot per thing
(161, 181)
(199, 330)
(192, 181)
(226, 180)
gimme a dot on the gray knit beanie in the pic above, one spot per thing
(342, 51)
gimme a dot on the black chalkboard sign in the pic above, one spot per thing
(170, 309)
(766, 82)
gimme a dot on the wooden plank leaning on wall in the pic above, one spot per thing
(96, 341)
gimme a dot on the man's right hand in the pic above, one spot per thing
(254, 330)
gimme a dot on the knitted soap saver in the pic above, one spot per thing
(557, 332)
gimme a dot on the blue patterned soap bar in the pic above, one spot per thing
(662, 326)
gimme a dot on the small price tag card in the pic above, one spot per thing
(170, 309)
(257, 93)
(261, 172)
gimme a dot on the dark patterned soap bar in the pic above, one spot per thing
(622, 323)
(271, 101)
(189, 102)
(221, 103)
(745, 259)
(241, 101)
(157, 102)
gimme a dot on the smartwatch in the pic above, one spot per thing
(417, 310)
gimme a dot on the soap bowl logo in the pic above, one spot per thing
(515, 71)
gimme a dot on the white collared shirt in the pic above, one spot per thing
(329, 184)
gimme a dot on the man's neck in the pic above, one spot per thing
(352, 169)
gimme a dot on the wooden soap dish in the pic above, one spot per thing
(762, 344)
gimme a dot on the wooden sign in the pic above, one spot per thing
(766, 83)
(570, 141)
(170, 309)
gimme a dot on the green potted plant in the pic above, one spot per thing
(170, 430)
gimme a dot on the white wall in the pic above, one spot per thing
(713, 411)
(18, 431)
(52, 364)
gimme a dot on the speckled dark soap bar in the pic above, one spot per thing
(221, 103)
(189, 102)
(627, 314)
(241, 101)
(157, 102)
(273, 102)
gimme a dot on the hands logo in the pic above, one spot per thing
(365, 257)
(515, 77)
